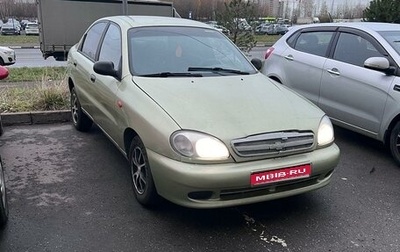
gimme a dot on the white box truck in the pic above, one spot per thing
(63, 22)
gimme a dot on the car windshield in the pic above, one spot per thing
(184, 51)
(393, 38)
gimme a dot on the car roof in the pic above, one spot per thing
(139, 21)
(366, 26)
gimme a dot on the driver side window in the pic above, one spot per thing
(111, 48)
(354, 49)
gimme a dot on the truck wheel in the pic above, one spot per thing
(394, 143)
(80, 120)
(142, 179)
(3, 198)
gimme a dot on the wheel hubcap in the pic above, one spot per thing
(398, 143)
(139, 170)
(74, 108)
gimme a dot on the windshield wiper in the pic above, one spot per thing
(216, 70)
(169, 74)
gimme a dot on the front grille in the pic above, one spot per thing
(273, 144)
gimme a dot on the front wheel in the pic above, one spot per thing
(80, 120)
(3, 198)
(394, 143)
(142, 179)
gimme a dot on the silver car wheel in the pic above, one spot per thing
(139, 170)
(74, 107)
(80, 120)
(142, 179)
(394, 143)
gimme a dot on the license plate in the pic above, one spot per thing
(289, 173)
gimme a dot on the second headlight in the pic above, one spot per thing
(197, 145)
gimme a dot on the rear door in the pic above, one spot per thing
(351, 94)
(304, 60)
(82, 66)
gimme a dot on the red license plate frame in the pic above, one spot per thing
(281, 174)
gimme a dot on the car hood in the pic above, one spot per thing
(231, 106)
(5, 49)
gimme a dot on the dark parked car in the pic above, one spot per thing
(3, 193)
(10, 29)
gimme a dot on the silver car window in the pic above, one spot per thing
(176, 49)
(354, 49)
(393, 38)
(314, 42)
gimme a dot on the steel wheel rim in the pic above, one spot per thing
(139, 170)
(74, 108)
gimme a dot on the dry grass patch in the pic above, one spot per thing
(41, 89)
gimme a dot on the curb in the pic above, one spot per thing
(40, 117)
(24, 47)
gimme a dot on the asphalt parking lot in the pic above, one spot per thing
(70, 191)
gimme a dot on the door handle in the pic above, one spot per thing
(289, 57)
(334, 71)
(92, 77)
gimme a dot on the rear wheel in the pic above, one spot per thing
(142, 179)
(80, 120)
(3, 197)
(394, 143)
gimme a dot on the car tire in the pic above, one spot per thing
(80, 120)
(394, 143)
(142, 179)
(3, 198)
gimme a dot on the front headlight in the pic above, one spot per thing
(9, 52)
(198, 145)
(325, 132)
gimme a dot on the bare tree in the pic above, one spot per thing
(307, 8)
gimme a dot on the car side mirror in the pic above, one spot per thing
(105, 68)
(257, 63)
(380, 64)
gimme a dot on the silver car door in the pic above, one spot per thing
(304, 62)
(352, 95)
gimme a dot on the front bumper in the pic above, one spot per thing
(224, 185)
(9, 59)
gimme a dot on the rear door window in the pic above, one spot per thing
(314, 42)
(92, 39)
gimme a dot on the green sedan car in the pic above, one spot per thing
(199, 124)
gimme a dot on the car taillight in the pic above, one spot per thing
(269, 52)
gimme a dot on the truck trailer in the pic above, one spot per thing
(63, 22)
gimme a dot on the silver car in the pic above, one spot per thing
(350, 70)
